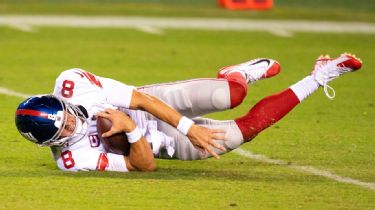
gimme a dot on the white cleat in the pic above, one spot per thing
(253, 70)
(327, 69)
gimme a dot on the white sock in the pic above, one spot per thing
(304, 87)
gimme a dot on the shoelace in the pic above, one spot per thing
(327, 88)
(321, 62)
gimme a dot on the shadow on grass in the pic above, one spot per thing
(250, 172)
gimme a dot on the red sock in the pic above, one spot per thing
(237, 88)
(266, 112)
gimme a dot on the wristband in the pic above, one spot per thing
(134, 136)
(184, 125)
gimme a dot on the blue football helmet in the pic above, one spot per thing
(41, 119)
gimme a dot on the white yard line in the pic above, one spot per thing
(9, 92)
(306, 169)
(156, 24)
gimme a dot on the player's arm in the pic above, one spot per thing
(122, 95)
(140, 156)
(201, 137)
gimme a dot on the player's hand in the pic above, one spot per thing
(203, 138)
(120, 122)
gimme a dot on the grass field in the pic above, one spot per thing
(338, 10)
(335, 136)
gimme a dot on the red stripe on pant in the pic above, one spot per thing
(266, 113)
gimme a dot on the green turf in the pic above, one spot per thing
(337, 135)
(338, 10)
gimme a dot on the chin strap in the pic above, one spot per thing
(83, 111)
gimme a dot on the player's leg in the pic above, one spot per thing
(202, 96)
(193, 97)
(271, 109)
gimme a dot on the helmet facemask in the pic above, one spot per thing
(80, 128)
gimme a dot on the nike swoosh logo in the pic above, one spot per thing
(262, 60)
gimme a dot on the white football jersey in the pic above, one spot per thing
(95, 94)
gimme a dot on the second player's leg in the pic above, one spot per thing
(271, 109)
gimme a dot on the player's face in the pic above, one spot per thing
(69, 125)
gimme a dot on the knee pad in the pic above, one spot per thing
(219, 99)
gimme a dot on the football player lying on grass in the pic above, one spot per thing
(161, 120)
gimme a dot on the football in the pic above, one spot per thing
(117, 143)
